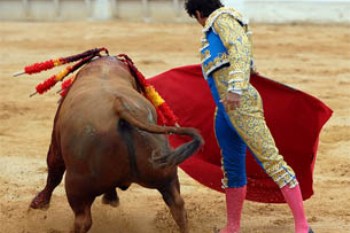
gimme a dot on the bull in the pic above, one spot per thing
(105, 137)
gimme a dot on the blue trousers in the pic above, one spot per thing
(233, 150)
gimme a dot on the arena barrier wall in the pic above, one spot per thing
(263, 11)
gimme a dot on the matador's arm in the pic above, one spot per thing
(238, 45)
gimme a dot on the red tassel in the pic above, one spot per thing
(141, 78)
(169, 117)
(38, 67)
(133, 69)
(165, 115)
(46, 65)
(65, 86)
(46, 85)
(67, 83)
(160, 117)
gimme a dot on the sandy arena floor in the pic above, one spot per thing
(313, 58)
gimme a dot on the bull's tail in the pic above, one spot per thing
(176, 156)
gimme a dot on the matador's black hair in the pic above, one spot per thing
(205, 7)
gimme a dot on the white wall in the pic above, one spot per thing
(270, 11)
(237, 4)
(320, 11)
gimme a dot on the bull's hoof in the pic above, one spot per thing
(41, 201)
(111, 200)
(111, 203)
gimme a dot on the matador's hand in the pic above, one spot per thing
(232, 101)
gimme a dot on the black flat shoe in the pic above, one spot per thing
(310, 230)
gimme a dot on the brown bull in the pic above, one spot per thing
(105, 137)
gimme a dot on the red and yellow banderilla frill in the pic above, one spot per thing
(165, 114)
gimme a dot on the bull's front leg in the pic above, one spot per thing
(172, 197)
(56, 169)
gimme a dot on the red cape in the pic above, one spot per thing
(294, 118)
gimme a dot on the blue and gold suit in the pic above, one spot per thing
(227, 61)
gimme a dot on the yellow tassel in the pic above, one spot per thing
(57, 62)
(63, 73)
(153, 96)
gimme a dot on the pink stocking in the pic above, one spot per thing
(234, 204)
(295, 202)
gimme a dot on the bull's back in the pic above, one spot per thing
(88, 107)
(87, 124)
